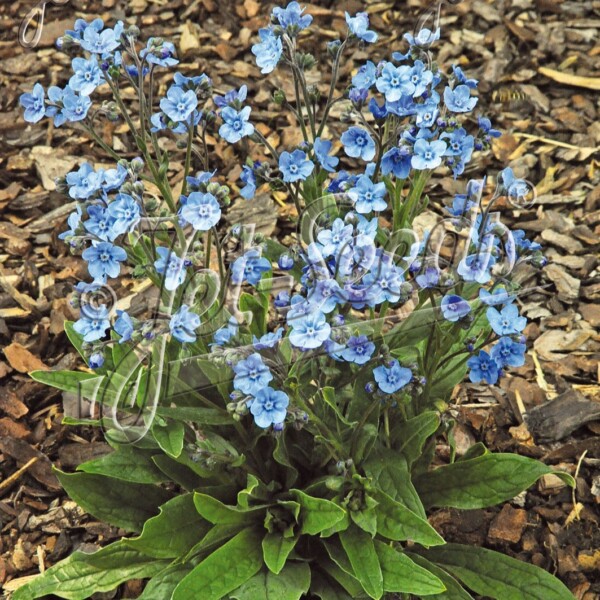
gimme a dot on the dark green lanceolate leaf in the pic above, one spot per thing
(75, 339)
(326, 589)
(454, 591)
(127, 463)
(401, 574)
(360, 550)
(259, 306)
(492, 574)
(366, 519)
(397, 522)
(169, 436)
(216, 512)
(281, 456)
(290, 584)
(80, 575)
(415, 328)
(389, 473)
(276, 550)
(480, 482)
(410, 437)
(195, 414)
(177, 472)
(67, 381)
(317, 514)
(163, 583)
(223, 571)
(328, 394)
(126, 505)
(173, 532)
(447, 377)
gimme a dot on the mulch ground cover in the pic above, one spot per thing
(539, 66)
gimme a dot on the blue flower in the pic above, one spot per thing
(358, 349)
(75, 108)
(476, 267)
(459, 99)
(454, 307)
(295, 166)
(322, 149)
(183, 324)
(462, 78)
(178, 105)
(233, 98)
(100, 223)
(235, 124)
(285, 262)
(359, 27)
(358, 143)
(103, 260)
(34, 104)
(483, 368)
(324, 296)
(123, 326)
(428, 155)
(88, 75)
(73, 222)
(366, 76)
(429, 279)
(249, 178)
(310, 331)
(486, 126)
(368, 196)
(249, 267)
(114, 178)
(125, 212)
(93, 323)
(282, 300)
(96, 360)
(393, 378)
(101, 42)
(269, 340)
(497, 296)
(335, 238)
(269, 407)
(251, 375)
(513, 186)
(201, 210)
(192, 83)
(171, 266)
(420, 77)
(425, 37)
(396, 161)
(84, 182)
(268, 51)
(427, 113)
(459, 144)
(395, 82)
(292, 17)
(508, 353)
(507, 321)
(159, 52)
(383, 281)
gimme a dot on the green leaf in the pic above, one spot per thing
(259, 309)
(410, 437)
(75, 339)
(163, 583)
(169, 436)
(397, 522)
(366, 519)
(401, 574)
(446, 378)
(177, 472)
(290, 584)
(127, 463)
(360, 549)
(173, 532)
(389, 472)
(126, 505)
(492, 574)
(80, 575)
(480, 482)
(216, 512)
(276, 550)
(195, 414)
(67, 381)
(326, 589)
(415, 328)
(454, 591)
(328, 394)
(224, 570)
(317, 514)
(281, 457)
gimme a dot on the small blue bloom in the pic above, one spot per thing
(125, 212)
(358, 143)
(420, 77)
(282, 300)
(497, 296)
(378, 112)
(429, 279)
(507, 321)
(201, 210)
(85, 182)
(359, 27)
(365, 77)
(235, 124)
(428, 155)
(269, 407)
(93, 323)
(395, 82)
(183, 324)
(75, 108)
(96, 360)
(87, 77)
(268, 51)
(335, 238)
(459, 99)
(359, 349)
(462, 78)
(249, 178)
(269, 340)
(393, 378)
(285, 262)
(486, 126)
(114, 178)
(159, 53)
(358, 97)
(251, 375)
(513, 186)
(322, 149)
(123, 326)
(103, 260)
(425, 37)
(459, 144)
(73, 222)
(476, 267)
(292, 17)
(249, 267)
(310, 331)
(483, 368)
(101, 42)
(454, 307)
(295, 166)
(324, 296)
(178, 104)
(171, 266)
(233, 98)
(34, 104)
(396, 161)
(100, 223)
(427, 113)
(368, 196)
(508, 353)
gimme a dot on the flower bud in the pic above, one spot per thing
(370, 387)
(333, 48)
(285, 262)
(96, 360)
(279, 97)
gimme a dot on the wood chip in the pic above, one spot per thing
(22, 360)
